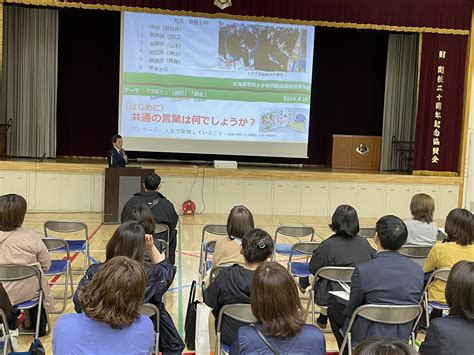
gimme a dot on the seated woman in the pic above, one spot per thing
(374, 345)
(459, 246)
(11, 312)
(143, 215)
(111, 322)
(343, 248)
(280, 317)
(227, 250)
(421, 229)
(232, 284)
(454, 334)
(22, 246)
(130, 240)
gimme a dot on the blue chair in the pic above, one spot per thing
(75, 245)
(441, 275)
(218, 230)
(239, 312)
(301, 268)
(292, 232)
(13, 273)
(60, 267)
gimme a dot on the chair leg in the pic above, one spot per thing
(38, 316)
(71, 282)
(157, 342)
(218, 344)
(313, 310)
(349, 344)
(427, 312)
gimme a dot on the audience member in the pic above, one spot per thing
(22, 246)
(10, 311)
(343, 248)
(227, 250)
(111, 322)
(232, 285)
(280, 317)
(131, 241)
(383, 346)
(454, 334)
(459, 246)
(142, 214)
(389, 278)
(162, 209)
(421, 229)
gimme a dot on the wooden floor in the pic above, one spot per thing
(189, 237)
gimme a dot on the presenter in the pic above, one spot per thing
(116, 156)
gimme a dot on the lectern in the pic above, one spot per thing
(120, 185)
(356, 152)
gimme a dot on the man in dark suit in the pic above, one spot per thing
(162, 209)
(116, 156)
(389, 278)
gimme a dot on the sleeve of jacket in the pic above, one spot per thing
(43, 255)
(431, 260)
(173, 216)
(211, 293)
(86, 279)
(357, 296)
(320, 258)
(431, 345)
(164, 274)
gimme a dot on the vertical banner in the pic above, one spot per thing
(440, 104)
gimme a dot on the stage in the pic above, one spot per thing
(77, 185)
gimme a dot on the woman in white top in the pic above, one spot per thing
(421, 229)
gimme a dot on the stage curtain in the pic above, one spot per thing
(399, 115)
(438, 14)
(30, 80)
(440, 104)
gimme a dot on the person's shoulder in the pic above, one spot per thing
(67, 321)
(144, 322)
(311, 330)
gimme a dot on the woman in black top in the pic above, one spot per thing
(343, 248)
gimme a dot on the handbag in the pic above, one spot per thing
(190, 322)
(265, 340)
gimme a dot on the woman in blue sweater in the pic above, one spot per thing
(280, 327)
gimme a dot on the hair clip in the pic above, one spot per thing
(261, 245)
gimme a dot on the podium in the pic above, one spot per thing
(120, 185)
(356, 152)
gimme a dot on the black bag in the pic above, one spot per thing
(36, 348)
(190, 322)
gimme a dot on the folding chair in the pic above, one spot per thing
(442, 275)
(385, 314)
(298, 268)
(151, 310)
(292, 232)
(213, 229)
(7, 342)
(11, 273)
(206, 264)
(367, 232)
(417, 253)
(239, 312)
(60, 267)
(330, 273)
(75, 245)
(160, 243)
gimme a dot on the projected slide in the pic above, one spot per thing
(199, 85)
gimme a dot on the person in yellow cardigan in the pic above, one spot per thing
(458, 246)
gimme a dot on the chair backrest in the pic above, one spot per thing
(295, 232)
(335, 273)
(440, 274)
(367, 232)
(239, 312)
(415, 251)
(215, 229)
(161, 228)
(53, 244)
(65, 227)
(306, 248)
(388, 314)
(150, 310)
(162, 244)
(12, 272)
